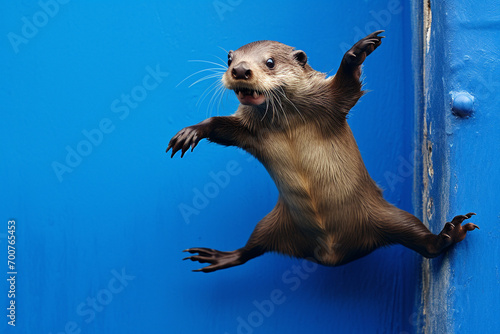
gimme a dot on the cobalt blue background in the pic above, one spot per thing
(118, 210)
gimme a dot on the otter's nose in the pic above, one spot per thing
(242, 71)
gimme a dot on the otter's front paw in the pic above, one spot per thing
(454, 232)
(358, 53)
(187, 137)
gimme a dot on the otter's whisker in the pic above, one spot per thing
(209, 62)
(214, 85)
(210, 102)
(282, 92)
(222, 94)
(213, 70)
(223, 62)
(220, 47)
(280, 104)
(273, 106)
(266, 94)
(218, 93)
(210, 76)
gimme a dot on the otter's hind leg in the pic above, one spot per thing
(412, 233)
(258, 243)
(274, 233)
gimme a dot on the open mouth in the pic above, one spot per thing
(250, 96)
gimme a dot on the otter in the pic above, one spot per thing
(293, 119)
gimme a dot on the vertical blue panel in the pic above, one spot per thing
(461, 289)
(90, 99)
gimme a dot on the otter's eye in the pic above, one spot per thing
(229, 59)
(270, 63)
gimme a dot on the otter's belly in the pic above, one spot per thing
(315, 176)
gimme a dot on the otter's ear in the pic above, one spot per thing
(300, 56)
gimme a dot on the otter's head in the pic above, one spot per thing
(263, 70)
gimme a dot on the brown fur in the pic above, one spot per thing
(329, 209)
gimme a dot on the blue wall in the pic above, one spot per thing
(90, 99)
(462, 289)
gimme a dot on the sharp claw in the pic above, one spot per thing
(200, 251)
(206, 269)
(195, 142)
(185, 149)
(457, 220)
(201, 259)
(450, 226)
(194, 145)
(351, 54)
(375, 34)
(470, 227)
(193, 258)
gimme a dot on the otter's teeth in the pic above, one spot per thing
(247, 92)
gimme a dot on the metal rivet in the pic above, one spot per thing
(462, 104)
